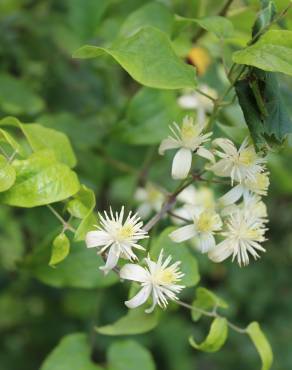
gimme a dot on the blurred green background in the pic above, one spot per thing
(110, 119)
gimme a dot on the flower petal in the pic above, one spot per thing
(222, 251)
(181, 164)
(183, 233)
(168, 143)
(232, 195)
(134, 272)
(96, 239)
(206, 242)
(140, 298)
(205, 153)
(112, 259)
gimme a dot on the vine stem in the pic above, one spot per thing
(66, 225)
(211, 314)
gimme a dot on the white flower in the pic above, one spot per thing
(118, 236)
(259, 185)
(239, 164)
(200, 103)
(188, 139)
(204, 225)
(245, 231)
(251, 204)
(151, 199)
(158, 279)
(194, 201)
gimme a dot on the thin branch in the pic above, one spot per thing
(66, 225)
(206, 95)
(178, 217)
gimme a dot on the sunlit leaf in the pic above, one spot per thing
(7, 174)
(60, 250)
(216, 337)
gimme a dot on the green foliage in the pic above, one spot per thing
(189, 265)
(72, 353)
(60, 250)
(139, 55)
(129, 355)
(216, 337)
(7, 174)
(136, 321)
(206, 300)
(40, 180)
(262, 345)
(273, 52)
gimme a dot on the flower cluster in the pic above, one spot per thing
(239, 227)
(116, 238)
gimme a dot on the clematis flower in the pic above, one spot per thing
(245, 231)
(204, 225)
(195, 101)
(117, 236)
(259, 185)
(158, 280)
(150, 198)
(187, 139)
(240, 165)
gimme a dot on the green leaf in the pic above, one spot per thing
(262, 345)
(40, 180)
(129, 355)
(60, 250)
(16, 97)
(152, 14)
(72, 353)
(41, 138)
(266, 115)
(79, 270)
(206, 300)
(272, 52)
(220, 26)
(216, 337)
(7, 174)
(264, 18)
(5, 136)
(82, 206)
(179, 252)
(149, 58)
(136, 321)
(148, 116)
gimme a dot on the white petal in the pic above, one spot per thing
(96, 239)
(222, 168)
(183, 233)
(168, 143)
(222, 251)
(144, 210)
(140, 298)
(112, 259)
(134, 272)
(205, 153)
(226, 145)
(188, 101)
(232, 196)
(181, 164)
(206, 242)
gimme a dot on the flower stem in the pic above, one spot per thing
(66, 225)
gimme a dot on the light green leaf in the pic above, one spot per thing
(220, 26)
(79, 270)
(216, 337)
(82, 206)
(152, 14)
(40, 180)
(179, 252)
(72, 353)
(206, 300)
(40, 138)
(262, 345)
(16, 97)
(136, 321)
(60, 250)
(7, 174)
(148, 116)
(149, 58)
(272, 52)
(5, 136)
(129, 355)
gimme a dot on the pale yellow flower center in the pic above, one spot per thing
(247, 157)
(188, 131)
(125, 232)
(206, 222)
(153, 194)
(166, 277)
